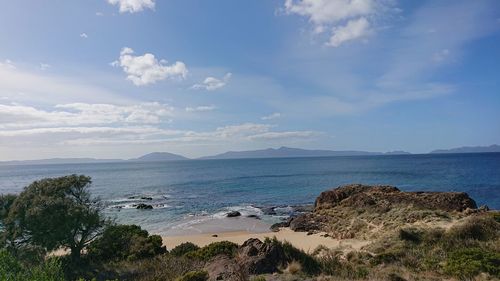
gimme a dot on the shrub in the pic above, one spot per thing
(467, 263)
(476, 228)
(12, 269)
(214, 249)
(309, 264)
(183, 249)
(197, 275)
(125, 242)
(411, 235)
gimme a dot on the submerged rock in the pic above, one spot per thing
(143, 206)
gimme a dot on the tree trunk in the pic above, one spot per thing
(76, 253)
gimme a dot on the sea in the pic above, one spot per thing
(191, 191)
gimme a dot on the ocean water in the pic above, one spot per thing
(185, 192)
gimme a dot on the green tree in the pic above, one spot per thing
(125, 242)
(54, 213)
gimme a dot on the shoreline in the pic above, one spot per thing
(301, 240)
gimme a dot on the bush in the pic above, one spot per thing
(308, 263)
(183, 249)
(476, 228)
(467, 263)
(12, 269)
(194, 276)
(125, 242)
(411, 235)
(214, 249)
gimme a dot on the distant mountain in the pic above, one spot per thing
(287, 152)
(59, 161)
(159, 156)
(397, 152)
(469, 149)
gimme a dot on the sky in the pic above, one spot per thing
(122, 78)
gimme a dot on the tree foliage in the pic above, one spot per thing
(53, 213)
(125, 242)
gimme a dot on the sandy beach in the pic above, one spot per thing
(299, 239)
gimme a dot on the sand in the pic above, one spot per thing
(299, 239)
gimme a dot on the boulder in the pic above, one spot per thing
(225, 268)
(257, 257)
(143, 206)
(233, 214)
(306, 223)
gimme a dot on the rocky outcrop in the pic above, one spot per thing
(358, 195)
(364, 211)
(258, 257)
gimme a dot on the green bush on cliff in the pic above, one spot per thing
(125, 242)
(470, 262)
(214, 249)
(183, 249)
(197, 275)
(12, 269)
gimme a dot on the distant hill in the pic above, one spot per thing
(469, 149)
(59, 161)
(284, 152)
(159, 156)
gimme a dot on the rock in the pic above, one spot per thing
(143, 206)
(353, 211)
(257, 257)
(253, 217)
(384, 197)
(276, 227)
(303, 208)
(268, 211)
(484, 208)
(306, 223)
(215, 235)
(233, 214)
(225, 268)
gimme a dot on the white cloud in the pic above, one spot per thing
(346, 19)
(133, 6)
(441, 55)
(200, 108)
(84, 35)
(44, 66)
(16, 116)
(354, 29)
(275, 115)
(146, 69)
(212, 83)
(99, 14)
(7, 64)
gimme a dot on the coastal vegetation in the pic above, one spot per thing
(55, 230)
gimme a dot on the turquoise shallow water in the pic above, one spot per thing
(191, 191)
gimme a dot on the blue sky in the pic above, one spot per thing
(120, 78)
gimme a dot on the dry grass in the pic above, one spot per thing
(294, 267)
